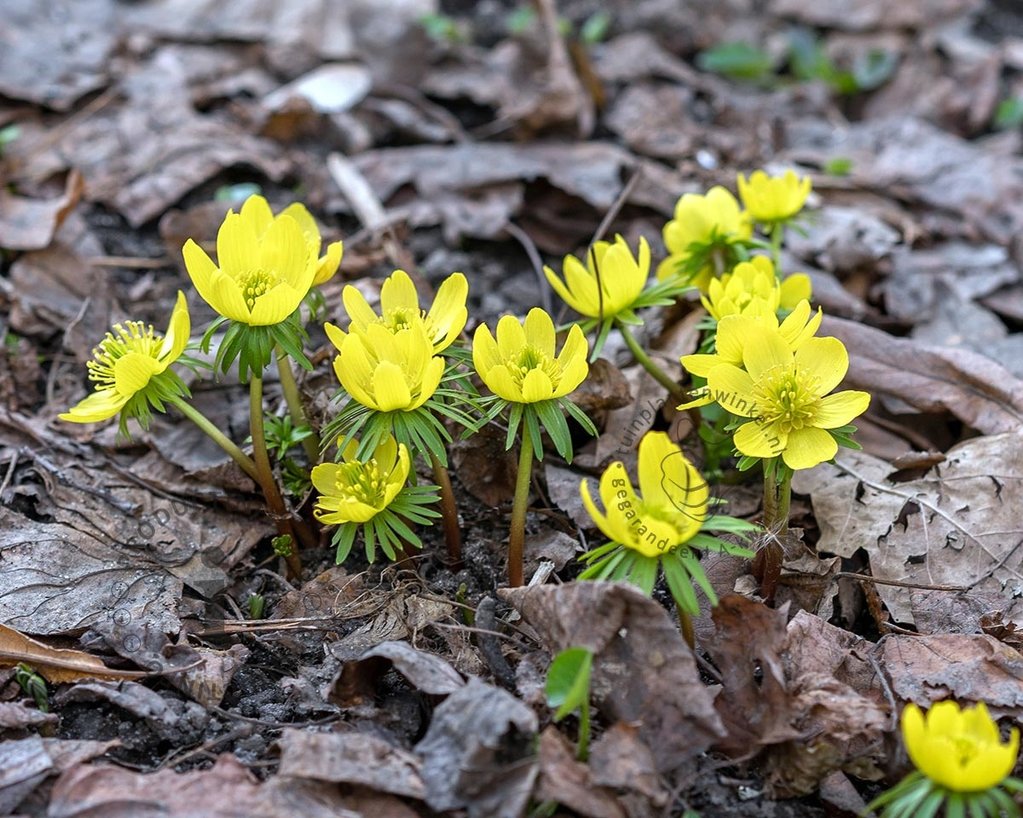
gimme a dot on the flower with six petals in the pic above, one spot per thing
(520, 366)
(355, 491)
(389, 372)
(959, 749)
(610, 282)
(785, 395)
(265, 266)
(399, 310)
(773, 199)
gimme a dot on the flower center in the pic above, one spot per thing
(132, 336)
(401, 318)
(965, 750)
(362, 481)
(788, 397)
(255, 283)
(530, 358)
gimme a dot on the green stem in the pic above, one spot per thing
(517, 535)
(292, 397)
(648, 364)
(449, 510)
(777, 498)
(199, 419)
(583, 751)
(777, 234)
(274, 500)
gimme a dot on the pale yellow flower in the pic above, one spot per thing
(771, 199)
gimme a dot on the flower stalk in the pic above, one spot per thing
(293, 398)
(645, 361)
(449, 510)
(777, 498)
(278, 510)
(517, 534)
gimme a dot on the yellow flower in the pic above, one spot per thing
(621, 279)
(127, 361)
(355, 491)
(752, 288)
(785, 394)
(670, 509)
(959, 749)
(734, 331)
(399, 307)
(702, 226)
(329, 262)
(520, 365)
(389, 372)
(267, 265)
(771, 199)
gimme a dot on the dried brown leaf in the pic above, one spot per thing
(29, 224)
(56, 665)
(643, 673)
(569, 782)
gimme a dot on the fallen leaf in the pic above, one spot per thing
(56, 665)
(478, 753)
(26, 763)
(569, 782)
(957, 526)
(975, 389)
(18, 715)
(871, 14)
(329, 89)
(33, 70)
(356, 681)
(30, 224)
(754, 701)
(643, 673)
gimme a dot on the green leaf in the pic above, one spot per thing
(595, 29)
(568, 681)
(1009, 114)
(874, 69)
(839, 165)
(738, 61)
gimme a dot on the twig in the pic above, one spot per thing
(616, 207)
(898, 584)
(522, 237)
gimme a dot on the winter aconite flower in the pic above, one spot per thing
(371, 494)
(520, 366)
(959, 749)
(773, 199)
(961, 762)
(659, 526)
(703, 237)
(266, 266)
(130, 368)
(389, 372)
(399, 310)
(785, 395)
(355, 491)
(752, 288)
(735, 331)
(610, 282)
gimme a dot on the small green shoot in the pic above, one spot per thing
(7, 135)
(34, 685)
(595, 29)
(739, 61)
(236, 194)
(838, 166)
(1009, 114)
(257, 605)
(568, 690)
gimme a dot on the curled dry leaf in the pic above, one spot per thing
(478, 753)
(958, 526)
(356, 681)
(569, 782)
(56, 665)
(351, 758)
(643, 673)
(29, 224)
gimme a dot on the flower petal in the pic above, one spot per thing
(390, 388)
(500, 381)
(432, 374)
(284, 251)
(359, 311)
(132, 372)
(201, 270)
(448, 311)
(765, 349)
(275, 305)
(840, 408)
(179, 329)
(536, 386)
(733, 389)
(329, 263)
(511, 337)
(825, 359)
(335, 334)
(256, 211)
(539, 331)
(758, 439)
(399, 293)
(671, 484)
(237, 245)
(98, 406)
(808, 447)
(485, 354)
